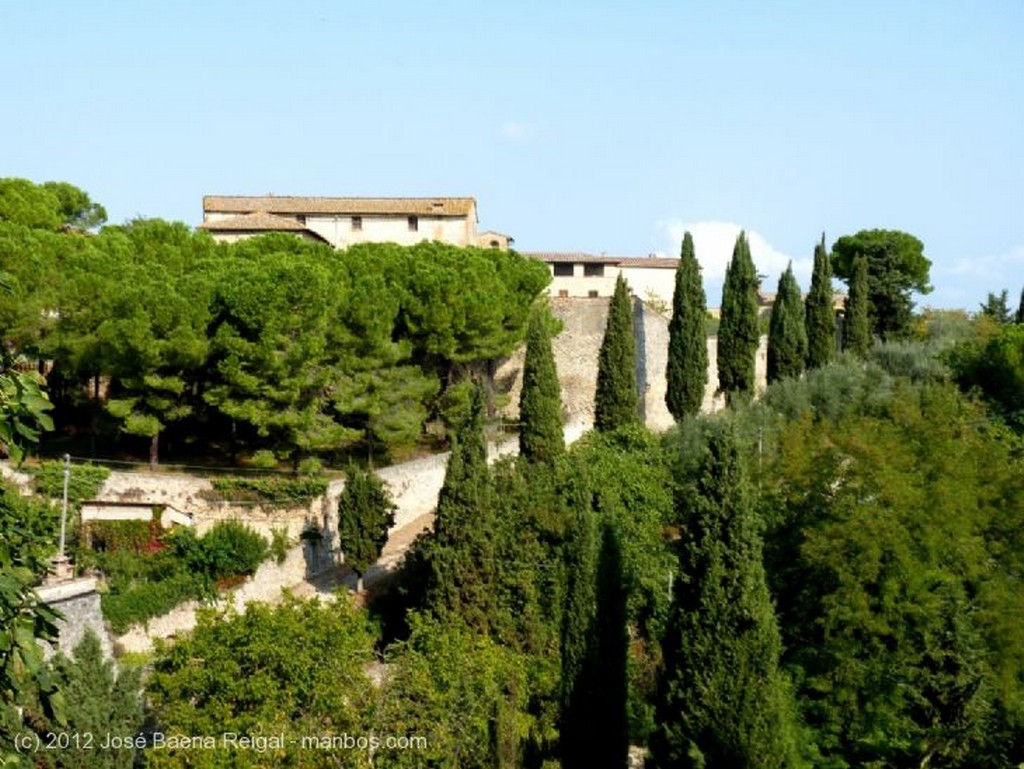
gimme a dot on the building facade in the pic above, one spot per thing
(342, 222)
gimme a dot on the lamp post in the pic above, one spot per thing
(62, 559)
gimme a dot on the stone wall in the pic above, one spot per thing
(79, 603)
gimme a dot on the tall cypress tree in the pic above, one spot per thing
(722, 700)
(615, 402)
(738, 332)
(820, 316)
(540, 401)
(787, 336)
(856, 326)
(1019, 315)
(461, 554)
(593, 725)
(687, 371)
(366, 513)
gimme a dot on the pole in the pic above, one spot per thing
(61, 558)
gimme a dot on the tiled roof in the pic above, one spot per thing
(257, 222)
(552, 257)
(656, 262)
(283, 204)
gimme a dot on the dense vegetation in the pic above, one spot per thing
(828, 576)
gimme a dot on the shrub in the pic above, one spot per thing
(265, 459)
(279, 543)
(229, 549)
(83, 483)
(270, 489)
(141, 601)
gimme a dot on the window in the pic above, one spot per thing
(357, 223)
(592, 294)
(593, 270)
(495, 244)
(414, 224)
(563, 292)
(562, 269)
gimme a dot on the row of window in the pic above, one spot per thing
(414, 223)
(565, 270)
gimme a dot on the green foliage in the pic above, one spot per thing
(280, 490)
(366, 513)
(24, 408)
(787, 333)
(997, 307)
(84, 481)
(138, 602)
(994, 368)
(616, 399)
(738, 331)
(896, 266)
(228, 549)
(101, 701)
(279, 543)
(891, 540)
(856, 321)
(467, 695)
(296, 668)
(686, 373)
(819, 311)
(29, 205)
(540, 403)
(723, 700)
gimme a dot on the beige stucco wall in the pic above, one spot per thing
(657, 281)
(337, 230)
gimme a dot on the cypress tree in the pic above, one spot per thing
(738, 332)
(1019, 315)
(615, 401)
(687, 371)
(593, 728)
(366, 514)
(856, 327)
(820, 315)
(461, 554)
(722, 700)
(541, 437)
(787, 336)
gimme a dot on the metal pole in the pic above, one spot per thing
(64, 508)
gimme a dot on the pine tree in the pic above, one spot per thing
(366, 513)
(687, 370)
(615, 402)
(461, 555)
(856, 327)
(722, 700)
(787, 335)
(820, 316)
(738, 332)
(540, 405)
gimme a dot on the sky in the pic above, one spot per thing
(603, 127)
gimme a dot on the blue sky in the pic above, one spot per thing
(590, 126)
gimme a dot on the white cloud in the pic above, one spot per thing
(713, 243)
(993, 267)
(515, 131)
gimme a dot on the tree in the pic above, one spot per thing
(896, 267)
(820, 314)
(787, 334)
(366, 513)
(738, 331)
(856, 323)
(687, 370)
(298, 669)
(722, 701)
(594, 689)
(616, 399)
(76, 210)
(541, 437)
(1018, 316)
(461, 554)
(996, 307)
(100, 700)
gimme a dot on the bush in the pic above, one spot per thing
(279, 543)
(141, 601)
(229, 549)
(271, 489)
(84, 482)
(265, 459)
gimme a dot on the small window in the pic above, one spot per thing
(301, 218)
(414, 224)
(593, 270)
(357, 223)
(592, 294)
(563, 292)
(495, 244)
(562, 269)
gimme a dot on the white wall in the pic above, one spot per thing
(337, 230)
